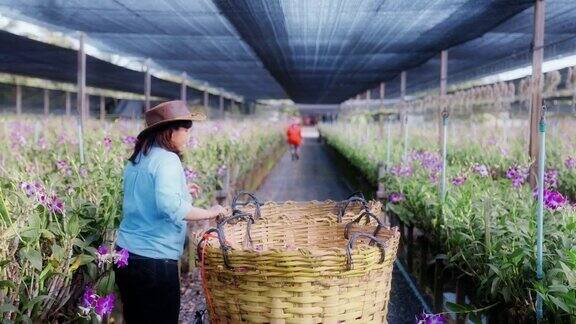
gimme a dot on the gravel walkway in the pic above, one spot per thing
(313, 177)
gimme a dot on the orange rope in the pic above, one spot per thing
(205, 281)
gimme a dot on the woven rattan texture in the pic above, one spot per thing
(296, 269)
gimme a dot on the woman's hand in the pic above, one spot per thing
(194, 190)
(218, 210)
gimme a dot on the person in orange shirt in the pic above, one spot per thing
(294, 135)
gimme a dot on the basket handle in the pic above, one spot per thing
(355, 197)
(224, 247)
(373, 240)
(251, 199)
(368, 215)
(358, 194)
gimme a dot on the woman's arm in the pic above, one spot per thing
(197, 214)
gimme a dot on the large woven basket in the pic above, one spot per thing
(298, 265)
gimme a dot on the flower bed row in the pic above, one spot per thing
(486, 226)
(57, 215)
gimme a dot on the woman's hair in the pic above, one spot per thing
(161, 136)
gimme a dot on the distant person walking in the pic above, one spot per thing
(294, 135)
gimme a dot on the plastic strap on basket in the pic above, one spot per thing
(373, 240)
(368, 215)
(251, 199)
(355, 197)
(203, 241)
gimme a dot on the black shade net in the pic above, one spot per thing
(321, 51)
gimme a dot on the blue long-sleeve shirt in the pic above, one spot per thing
(156, 202)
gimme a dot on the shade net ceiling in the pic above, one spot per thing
(321, 51)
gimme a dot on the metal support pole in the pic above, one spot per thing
(18, 99)
(81, 95)
(537, 58)
(443, 79)
(183, 88)
(206, 100)
(68, 103)
(368, 94)
(46, 102)
(147, 84)
(382, 93)
(540, 210)
(403, 114)
(444, 146)
(102, 108)
(388, 142)
(221, 105)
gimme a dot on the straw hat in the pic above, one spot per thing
(168, 112)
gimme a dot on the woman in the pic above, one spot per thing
(156, 209)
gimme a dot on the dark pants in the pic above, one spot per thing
(149, 290)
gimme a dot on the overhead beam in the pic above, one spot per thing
(536, 88)
(26, 81)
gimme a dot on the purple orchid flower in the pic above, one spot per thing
(129, 140)
(105, 305)
(425, 318)
(396, 197)
(121, 259)
(190, 174)
(107, 143)
(458, 181)
(481, 169)
(553, 200)
(89, 297)
(570, 163)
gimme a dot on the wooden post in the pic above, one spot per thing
(82, 82)
(102, 108)
(443, 79)
(461, 298)
(183, 87)
(410, 249)
(46, 102)
(423, 260)
(68, 103)
(147, 84)
(18, 99)
(536, 88)
(438, 285)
